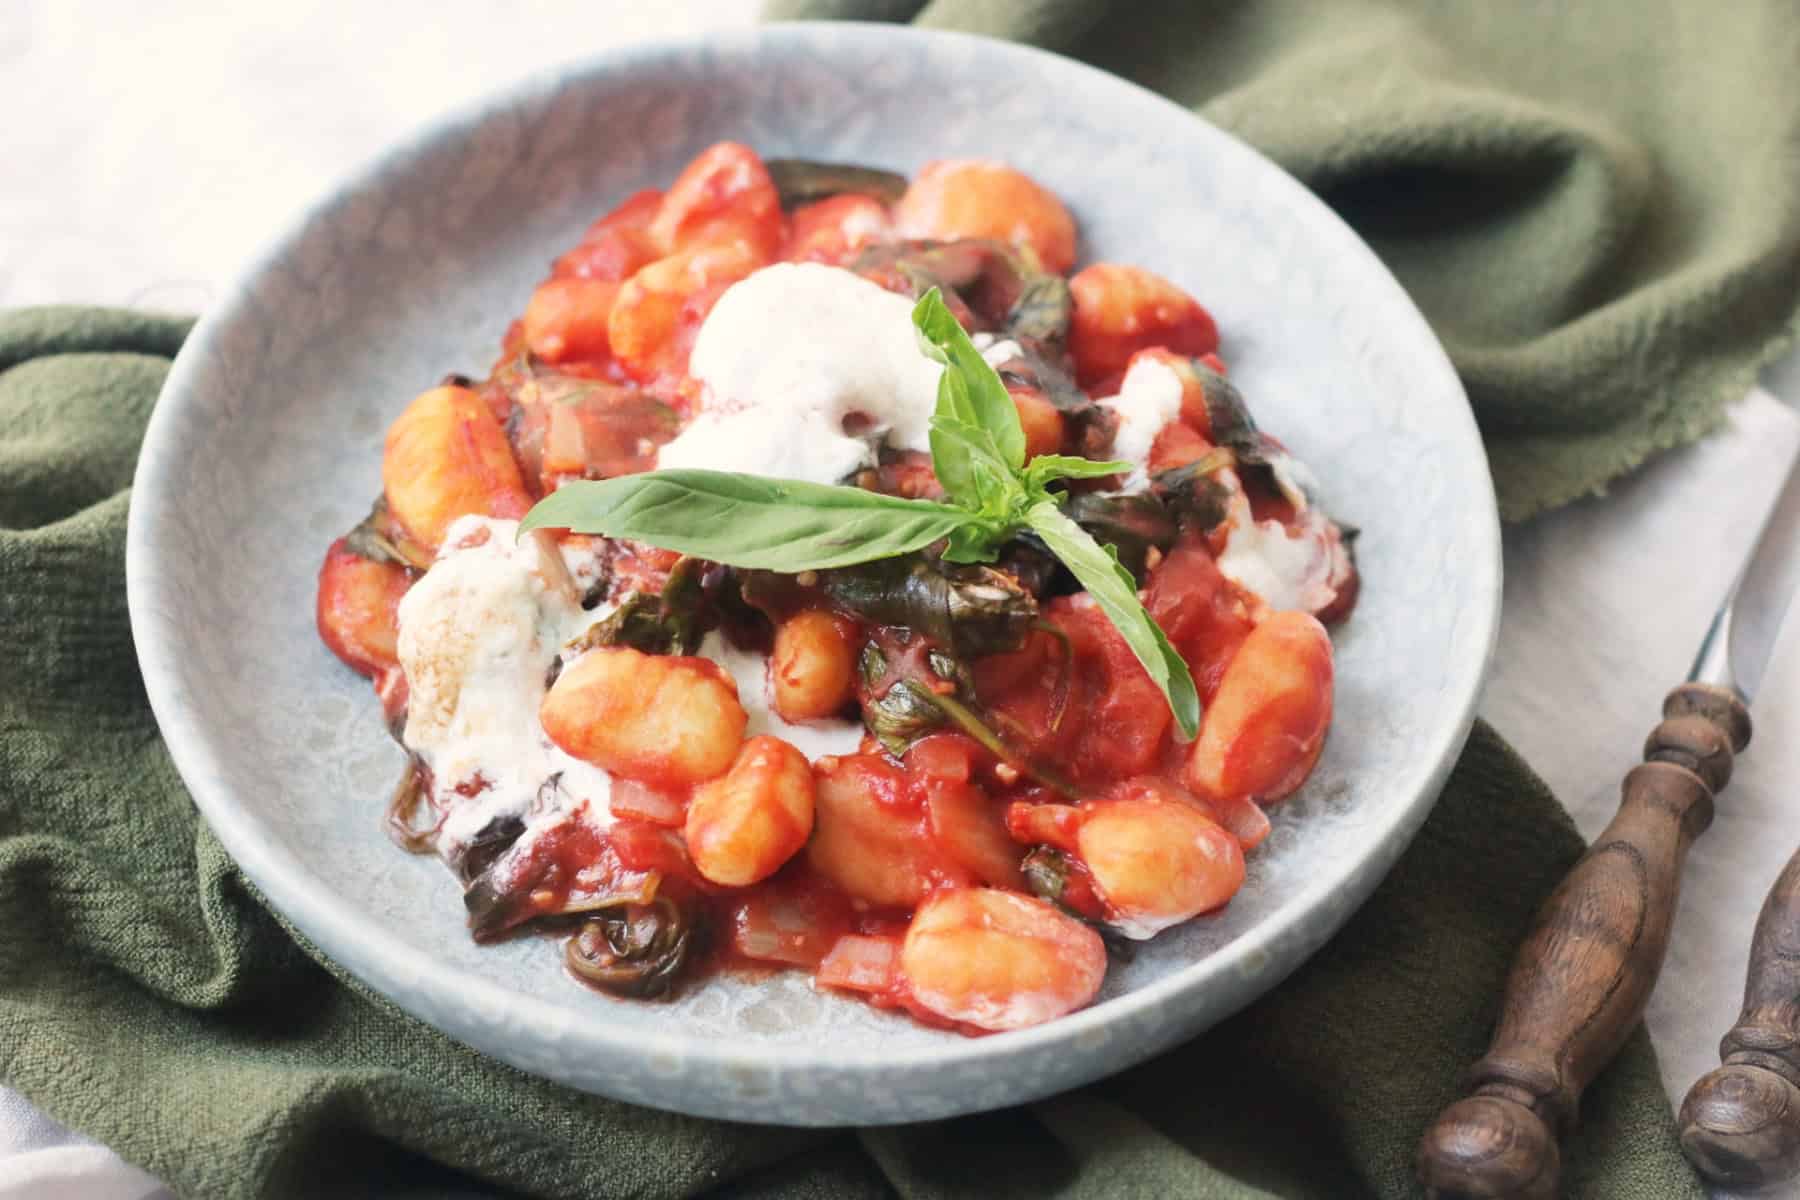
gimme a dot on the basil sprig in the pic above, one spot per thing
(992, 493)
(748, 521)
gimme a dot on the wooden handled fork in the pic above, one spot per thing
(1580, 981)
(1740, 1125)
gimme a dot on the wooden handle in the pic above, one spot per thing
(1740, 1125)
(1579, 983)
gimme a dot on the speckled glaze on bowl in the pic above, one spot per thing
(413, 268)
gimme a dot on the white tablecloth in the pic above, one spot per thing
(151, 148)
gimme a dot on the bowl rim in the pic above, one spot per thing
(343, 932)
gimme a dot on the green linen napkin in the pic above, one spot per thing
(1597, 204)
(149, 999)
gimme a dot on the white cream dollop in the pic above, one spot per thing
(994, 350)
(478, 634)
(1298, 567)
(1149, 398)
(1301, 566)
(750, 670)
(806, 369)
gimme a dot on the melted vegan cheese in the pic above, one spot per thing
(995, 352)
(1286, 571)
(806, 369)
(1288, 568)
(1298, 568)
(478, 636)
(751, 672)
(1149, 398)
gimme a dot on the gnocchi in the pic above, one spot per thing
(1153, 855)
(1266, 726)
(998, 960)
(447, 457)
(742, 826)
(359, 608)
(657, 718)
(975, 198)
(812, 665)
(651, 324)
(867, 833)
(930, 779)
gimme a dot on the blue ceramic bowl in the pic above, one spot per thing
(413, 267)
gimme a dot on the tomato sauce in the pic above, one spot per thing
(1048, 770)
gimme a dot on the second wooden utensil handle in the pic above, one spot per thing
(1740, 1125)
(1580, 980)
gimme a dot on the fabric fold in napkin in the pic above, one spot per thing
(1594, 203)
(149, 1000)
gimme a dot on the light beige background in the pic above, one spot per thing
(150, 149)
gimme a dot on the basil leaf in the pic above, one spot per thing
(902, 716)
(1068, 466)
(971, 544)
(990, 487)
(1043, 310)
(952, 461)
(969, 390)
(1132, 525)
(801, 181)
(672, 621)
(971, 610)
(1046, 467)
(748, 521)
(1098, 570)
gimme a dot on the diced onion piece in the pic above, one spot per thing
(640, 801)
(641, 846)
(1243, 818)
(861, 964)
(565, 449)
(788, 921)
(755, 937)
(776, 933)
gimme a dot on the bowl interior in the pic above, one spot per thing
(266, 445)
